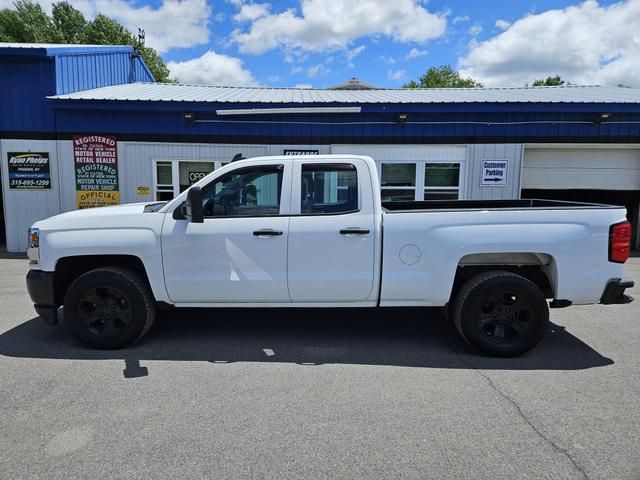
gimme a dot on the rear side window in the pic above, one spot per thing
(329, 189)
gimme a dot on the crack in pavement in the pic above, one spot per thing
(521, 414)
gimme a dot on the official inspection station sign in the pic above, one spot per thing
(29, 171)
(96, 165)
(494, 173)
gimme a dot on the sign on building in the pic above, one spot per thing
(29, 171)
(96, 166)
(196, 176)
(301, 152)
(494, 173)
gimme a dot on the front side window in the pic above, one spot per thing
(329, 189)
(247, 192)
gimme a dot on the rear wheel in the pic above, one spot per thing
(501, 313)
(109, 307)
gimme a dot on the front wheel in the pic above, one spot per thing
(109, 307)
(501, 313)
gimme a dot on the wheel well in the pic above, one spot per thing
(537, 269)
(70, 268)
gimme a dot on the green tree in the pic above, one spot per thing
(28, 22)
(443, 76)
(69, 22)
(554, 81)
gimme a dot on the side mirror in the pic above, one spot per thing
(193, 205)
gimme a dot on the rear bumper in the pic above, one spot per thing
(614, 291)
(40, 288)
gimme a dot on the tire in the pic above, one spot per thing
(109, 308)
(501, 313)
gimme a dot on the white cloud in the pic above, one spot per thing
(463, 18)
(174, 23)
(388, 60)
(252, 11)
(303, 85)
(475, 30)
(502, 24)
(332, 24)
(212, 68)
(315, 70)
(396, 75)
(354, 52)
(585, 44)
(416, 53)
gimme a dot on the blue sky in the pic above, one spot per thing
(320, 43)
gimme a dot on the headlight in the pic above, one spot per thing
(33, 242)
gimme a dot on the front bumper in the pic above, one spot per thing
(40, 288)
(614, 291)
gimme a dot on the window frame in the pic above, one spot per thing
(441, 188)
(420, 189)
(329, 167)
(271, 168)
(175, 173)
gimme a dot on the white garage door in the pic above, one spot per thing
(581, 168)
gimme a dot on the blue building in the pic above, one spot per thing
(63, 104)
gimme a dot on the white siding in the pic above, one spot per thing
(24, 207)
(587, 168)
(411, 153)
(512, 152)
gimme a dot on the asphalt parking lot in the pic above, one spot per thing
(318, 394)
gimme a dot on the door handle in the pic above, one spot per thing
(354, 231)
(267, 232)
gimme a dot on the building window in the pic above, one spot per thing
(398, 181)
(164, 183)
(174, 176)
(190, 172)
(441, 181)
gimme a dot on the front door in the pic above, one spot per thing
(239, 253)
(332, 233)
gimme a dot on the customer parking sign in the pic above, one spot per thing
(494, 173)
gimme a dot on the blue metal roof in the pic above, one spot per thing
(54, 49)
(159, 92)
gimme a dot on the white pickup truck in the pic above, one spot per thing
(311, 231)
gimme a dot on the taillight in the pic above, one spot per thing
(619, 242)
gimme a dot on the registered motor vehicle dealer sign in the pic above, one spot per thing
(494, 173)
(96, 165)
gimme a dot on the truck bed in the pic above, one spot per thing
(521, 204)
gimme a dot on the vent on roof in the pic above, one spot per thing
(353, 84)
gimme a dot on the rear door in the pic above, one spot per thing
(332, 233)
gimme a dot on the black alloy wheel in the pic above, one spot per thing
(109, 307)
(105, 311)
(501, 313)
(505, 317)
